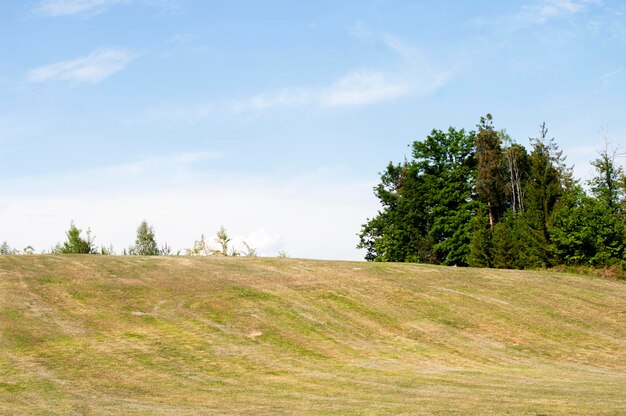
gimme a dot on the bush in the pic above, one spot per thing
(75, 244)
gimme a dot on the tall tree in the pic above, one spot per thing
(516, 159)
(427, 203)
(490, 175)
(606, 184)
(549, 178)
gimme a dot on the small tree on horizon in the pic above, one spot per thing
(222, 239)
(75, 243)
(5, 249)
(145, 243)
(250, 251)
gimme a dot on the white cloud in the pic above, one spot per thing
(54, 8)
(413, 75)
(363, 88)
(314, 215)
(92, 69)
(606, 78)
(151, 164)
(542, 11)
(353, 89)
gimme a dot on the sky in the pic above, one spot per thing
(275, 118)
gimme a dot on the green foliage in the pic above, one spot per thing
(166, 250)
(516, 245)
(145, 243)
(587, 231)
(606, 184)
(5, 249)
(482, 200)
(75, 244)
(427, 204)
(490, 177)
(481, 241)
(223, 240)
(200, 248)
(547, 181)
(250, 251)
(107, 251)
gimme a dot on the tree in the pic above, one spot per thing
(145, 243)
(5, 249)
(606, 184)
(75, 244)
(427, 203)
(586, 231)
(250, 251)
(516, 159)
(200, 248)
(223, 240)
(548, 180)
(490, 175)
(481, 246)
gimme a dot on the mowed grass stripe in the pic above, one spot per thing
(184, 335)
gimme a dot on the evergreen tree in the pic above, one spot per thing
(548, 178)
(145, 243)
(586, 231)
(5, 249)
(481, 249)
(490, 179)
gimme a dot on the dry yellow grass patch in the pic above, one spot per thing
(188, 336)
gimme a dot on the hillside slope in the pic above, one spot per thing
(189, 336)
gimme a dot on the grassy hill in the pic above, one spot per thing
(189, 336)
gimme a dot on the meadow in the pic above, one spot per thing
(113, 335)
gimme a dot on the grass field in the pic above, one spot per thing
(191, 336)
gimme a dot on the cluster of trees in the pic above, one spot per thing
(478, 198)
(145, 245)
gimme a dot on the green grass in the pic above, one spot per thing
(187, 336)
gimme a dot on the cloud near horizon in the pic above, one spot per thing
(89, 69)
(310, 215)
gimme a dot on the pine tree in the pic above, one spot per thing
(490, 175)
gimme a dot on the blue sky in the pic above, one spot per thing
(274, 118)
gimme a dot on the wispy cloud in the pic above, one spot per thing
(91, 69)
(55, 8)
(606, 78)
(88, 8)
(537, 13)
(541, 12)
(413, 75)
(353, 89)
(153, 164)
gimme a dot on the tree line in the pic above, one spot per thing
(478, 198)
(145, 245)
